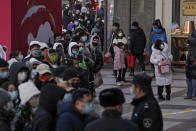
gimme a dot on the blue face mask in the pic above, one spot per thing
(60, 80)
(84, 38)
(88, 108)
(10, 106)
(67, 98)
(33, 72)
(131, 92)
(37, 53)
(21, 57)
(13, 95)
(4, 75)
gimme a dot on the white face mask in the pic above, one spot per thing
(162, 46)
(120, 34)
(22, 76)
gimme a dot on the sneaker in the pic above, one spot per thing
(186, 97)
(194, 98)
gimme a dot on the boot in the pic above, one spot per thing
(160, 93)
(168, 91)
(123, 75)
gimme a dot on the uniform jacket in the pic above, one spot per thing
(111, 121)
(147, 114)
(157, 55)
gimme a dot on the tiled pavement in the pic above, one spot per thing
(178, 114)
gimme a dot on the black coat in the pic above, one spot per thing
(111, 121)
(137, 41)
(45, 116)
(147, 114)
(5, 119)
(98, 60)
(15, 69)
(191, 59)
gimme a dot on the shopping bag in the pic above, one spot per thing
(106, 57)
(131, 61)
(83, 65)
(98, 81)
(164, 68)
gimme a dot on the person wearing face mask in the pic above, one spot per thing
(29, 96)
(75, 113)
(120, 37)
(73, 49)
(59, 52)
(44, 76)
(34, 64)
(87, 61)
(72, 77)
(15, 56)
(112, 100)
(160, 56)
(35, 51)
(11, 89)
(4, 71)
(50, 58)
(147, 113)
(6, 106)
(97, 57)
(137, 45)
(83, 37)
(45, 116)
(19, 73)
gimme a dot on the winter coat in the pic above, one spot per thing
(119, 61)
(156, 57)
(191, 59)
(97, 58)
(5, 119)
(111, 121)
(137, 41)
(69, 119)
(45, 116)
(147, 114)
(23, 118)
(15, 69)
(157, 34)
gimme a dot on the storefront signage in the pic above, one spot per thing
(189, 8)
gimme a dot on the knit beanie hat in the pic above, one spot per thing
(27, 90)
(70, 73)
(4, 97)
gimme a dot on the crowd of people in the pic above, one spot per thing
(53, 87)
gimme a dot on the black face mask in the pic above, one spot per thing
(75, 85)
(67, 39)
(95, 44)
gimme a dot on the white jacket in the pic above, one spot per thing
(156, 57)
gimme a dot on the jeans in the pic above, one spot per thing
(191, 88)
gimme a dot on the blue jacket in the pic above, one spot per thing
(158, 34)
(69, 119)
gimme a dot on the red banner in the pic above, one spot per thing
(34, 20)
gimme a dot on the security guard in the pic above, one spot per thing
(147, 113)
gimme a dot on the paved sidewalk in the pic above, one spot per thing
(179, 114)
